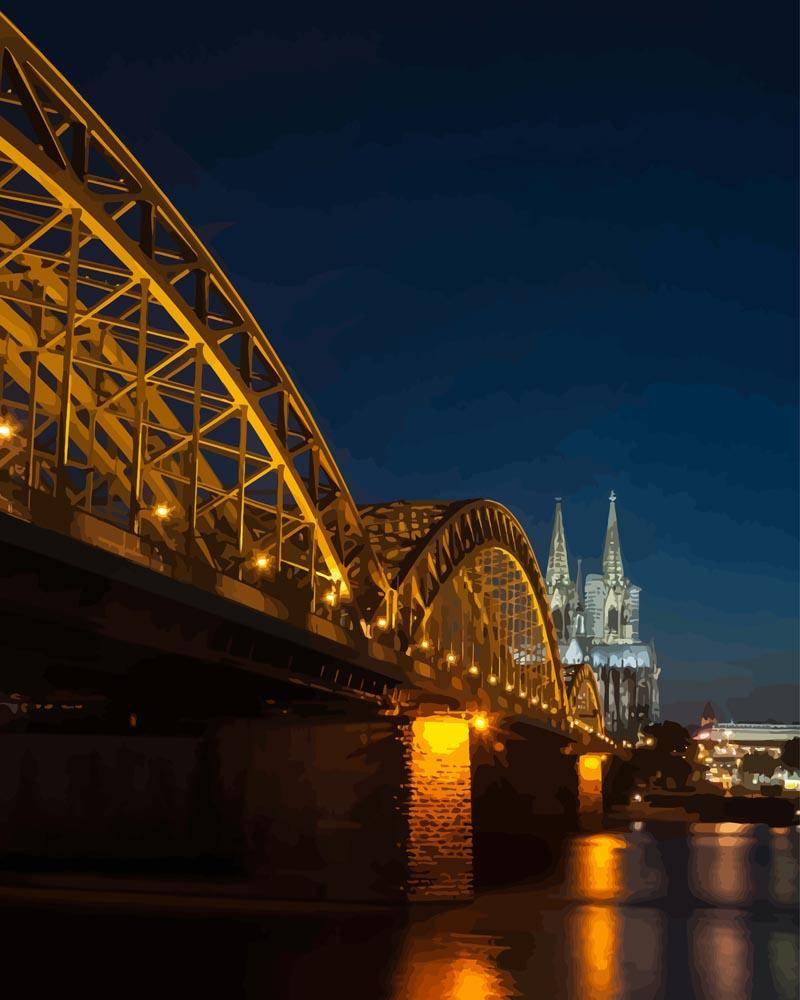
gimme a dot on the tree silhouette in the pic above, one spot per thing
(790, 756)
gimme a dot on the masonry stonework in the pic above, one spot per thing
(438, 808)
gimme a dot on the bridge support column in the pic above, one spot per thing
(363, 809)
(590, 784)
(438, 808)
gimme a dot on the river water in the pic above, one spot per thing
(707, 912)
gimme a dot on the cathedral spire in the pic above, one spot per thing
(580, 602)
(612, 552)
(557, 561)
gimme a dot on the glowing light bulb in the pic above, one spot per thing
(330, 597)
(492, 679)
(6, 430)
(474, 670)
(381, 622)
(162, 511)
(509, 687)
(451, 658)
(480, 722)
(425, 644)
(263, 561)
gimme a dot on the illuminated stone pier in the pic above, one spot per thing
(590, 784)
(366, 809)
(438, 809)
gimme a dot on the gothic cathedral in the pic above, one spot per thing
(597, 622)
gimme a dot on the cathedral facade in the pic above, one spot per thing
(597, 622)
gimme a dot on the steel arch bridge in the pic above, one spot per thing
(140, 395)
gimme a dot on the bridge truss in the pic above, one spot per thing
(137, 389)
(134, 382)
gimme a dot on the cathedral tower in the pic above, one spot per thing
(558, 579)
(599, 624)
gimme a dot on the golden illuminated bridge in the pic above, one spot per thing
(144, 413)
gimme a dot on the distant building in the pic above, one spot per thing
(746, 753)
(747, 736)
(598, 623)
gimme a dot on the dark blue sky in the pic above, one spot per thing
(522, 253)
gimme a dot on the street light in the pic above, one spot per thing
(480, 722)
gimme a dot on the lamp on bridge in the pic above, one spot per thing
(480, 722)
(451, 658)
(381, 622)
(162, 511)
(492, 679)
(8, 426)
(262, 561)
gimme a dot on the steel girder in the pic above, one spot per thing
(134, 382)
(584, 697)
(478, 549)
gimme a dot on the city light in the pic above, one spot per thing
(492, 679)
(162, 511)
(480, 722)
(330, 597)
(263, 561)
(425, 644)
(451, 658)
(381, 622)
(442, 735)
(6, 429)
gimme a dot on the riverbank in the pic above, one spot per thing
(691, 807)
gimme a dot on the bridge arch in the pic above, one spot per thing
(470, 596)
(584, 698)
(135, 384)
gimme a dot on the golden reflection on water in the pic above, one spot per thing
(592, 952)
(597, 872)
(721, 955)
(451, 968)
(719, 868)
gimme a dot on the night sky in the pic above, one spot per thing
(520, 253)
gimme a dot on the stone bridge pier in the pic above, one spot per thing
(344, 805)
(417, 807)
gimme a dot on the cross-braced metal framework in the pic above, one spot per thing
(584, 697)
(470, 596)
(134, 383)
(136, 389)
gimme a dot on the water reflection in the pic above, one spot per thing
(630, 915)
(782, 950)
(596, 864)
(721, 955)
(783, 870)
(719, 869)
(593, 939)
(454, 967)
